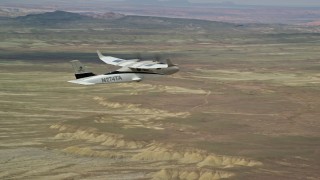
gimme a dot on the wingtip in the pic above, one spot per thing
(99, 54)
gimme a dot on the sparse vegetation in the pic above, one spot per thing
(245, 104)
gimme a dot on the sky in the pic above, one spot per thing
(269, 2)
(301, 3)
(294, 3)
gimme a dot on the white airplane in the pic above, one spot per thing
(133, 70)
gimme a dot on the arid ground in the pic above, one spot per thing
(245, 104)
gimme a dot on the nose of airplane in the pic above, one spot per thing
(176, 69)
(173, 69)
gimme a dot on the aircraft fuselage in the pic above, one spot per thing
(119, 77)
(131, 70)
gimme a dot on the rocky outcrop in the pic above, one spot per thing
(90, 135)
(158, 152)
(190, 174)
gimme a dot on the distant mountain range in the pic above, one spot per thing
(51, 17)
(70, 19)
(224, 12)
(158, 2)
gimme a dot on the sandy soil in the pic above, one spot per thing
(215, 122)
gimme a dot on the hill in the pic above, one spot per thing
(52, 18)
(113, 20)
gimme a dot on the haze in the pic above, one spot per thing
(288, 3)
(313, 3)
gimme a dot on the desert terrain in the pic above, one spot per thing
(245, 104)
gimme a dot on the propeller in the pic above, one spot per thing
(156, 57)
(144, 56)
(160, 58)
(138, 56)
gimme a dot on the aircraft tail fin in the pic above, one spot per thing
(80, 71)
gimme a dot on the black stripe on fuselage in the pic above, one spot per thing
(83, 75)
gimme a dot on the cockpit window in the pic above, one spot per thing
(117, 60)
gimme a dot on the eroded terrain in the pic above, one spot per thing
(234, 122)
(245, 104)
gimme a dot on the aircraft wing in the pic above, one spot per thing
(132, 63)
(148, 65)
(115, 61)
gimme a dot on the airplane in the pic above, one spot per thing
(133, 70)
